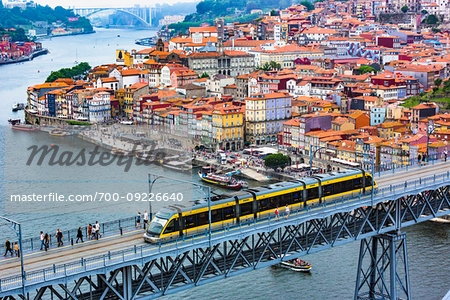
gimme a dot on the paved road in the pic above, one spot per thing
(39, 260)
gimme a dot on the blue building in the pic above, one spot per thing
(377, 115)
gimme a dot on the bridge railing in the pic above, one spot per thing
(84, 265)
(392, 168)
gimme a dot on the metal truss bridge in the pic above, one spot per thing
(147, 271)
(143, 14)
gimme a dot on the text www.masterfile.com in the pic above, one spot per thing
(96, 197)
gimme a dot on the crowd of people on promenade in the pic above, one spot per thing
(93, 233)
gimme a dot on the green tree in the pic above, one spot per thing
(204, 75)
(431, 20)
(435, 89)
(309, 6)
(405, 9)
(277, 160)
(438, 82)
(424, 12)
(78, 70)
(274, 65)
(366, 69)
(273, 12)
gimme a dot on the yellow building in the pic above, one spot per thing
(124, 57)
(228, 127)
(131, 94)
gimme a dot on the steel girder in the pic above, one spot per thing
(159, 276)
(383, 268)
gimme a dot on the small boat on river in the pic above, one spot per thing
(296, 265)
(222, 180)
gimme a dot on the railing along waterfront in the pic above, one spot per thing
(115, 258)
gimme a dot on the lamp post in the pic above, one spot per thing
(430, 130)
(151, 180)
(311, 155)
(18, 230)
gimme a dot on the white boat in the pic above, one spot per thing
(296, 265)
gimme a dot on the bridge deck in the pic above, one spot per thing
(40, 259)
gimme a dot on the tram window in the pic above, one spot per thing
(228, 212)
(203, 218)
(368, 180)
(246, 208)
(216, 215)
(172, 226)
(297, 197)
(189, 221)
(328, 189)
(357, 183)
(273, 202)
(263, 204)
(313, 193)
(285, 199)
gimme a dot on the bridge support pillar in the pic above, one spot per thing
(383, 268)
(127, 283)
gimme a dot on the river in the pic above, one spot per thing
(334, 270)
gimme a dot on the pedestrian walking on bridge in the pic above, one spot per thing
(59, 237)
(46, 241)
(79, 235)
(16, 249)
(8, 248)
(42, 240)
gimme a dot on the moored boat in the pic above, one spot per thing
(24, 127)
(221, 180)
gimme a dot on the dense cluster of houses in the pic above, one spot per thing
(10, 50)
(324, 79)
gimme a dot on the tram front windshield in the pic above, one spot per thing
(157, 225)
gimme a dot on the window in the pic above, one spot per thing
(189, 221)
(313, 193)
(228, 212)
(203, 218)
(172, 226)
(246, 208)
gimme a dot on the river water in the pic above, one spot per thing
(334, 270)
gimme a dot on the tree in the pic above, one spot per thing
(277, 160)
(366, 69)
(204, 75)
(273, 12)
(274, 65)
(405, 9)
(438, 82)
(431, 20)
(309, 6)
(424, 12)
(435, 89)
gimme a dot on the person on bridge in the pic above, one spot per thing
(46, 241)
(90, 231)
(8, 248)
(42, 240)
(145, 219)
(97, 230)
(138, 220)
(287, 211)
(79, 235)
(16, 249)
(59, 237)
(277, 213)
